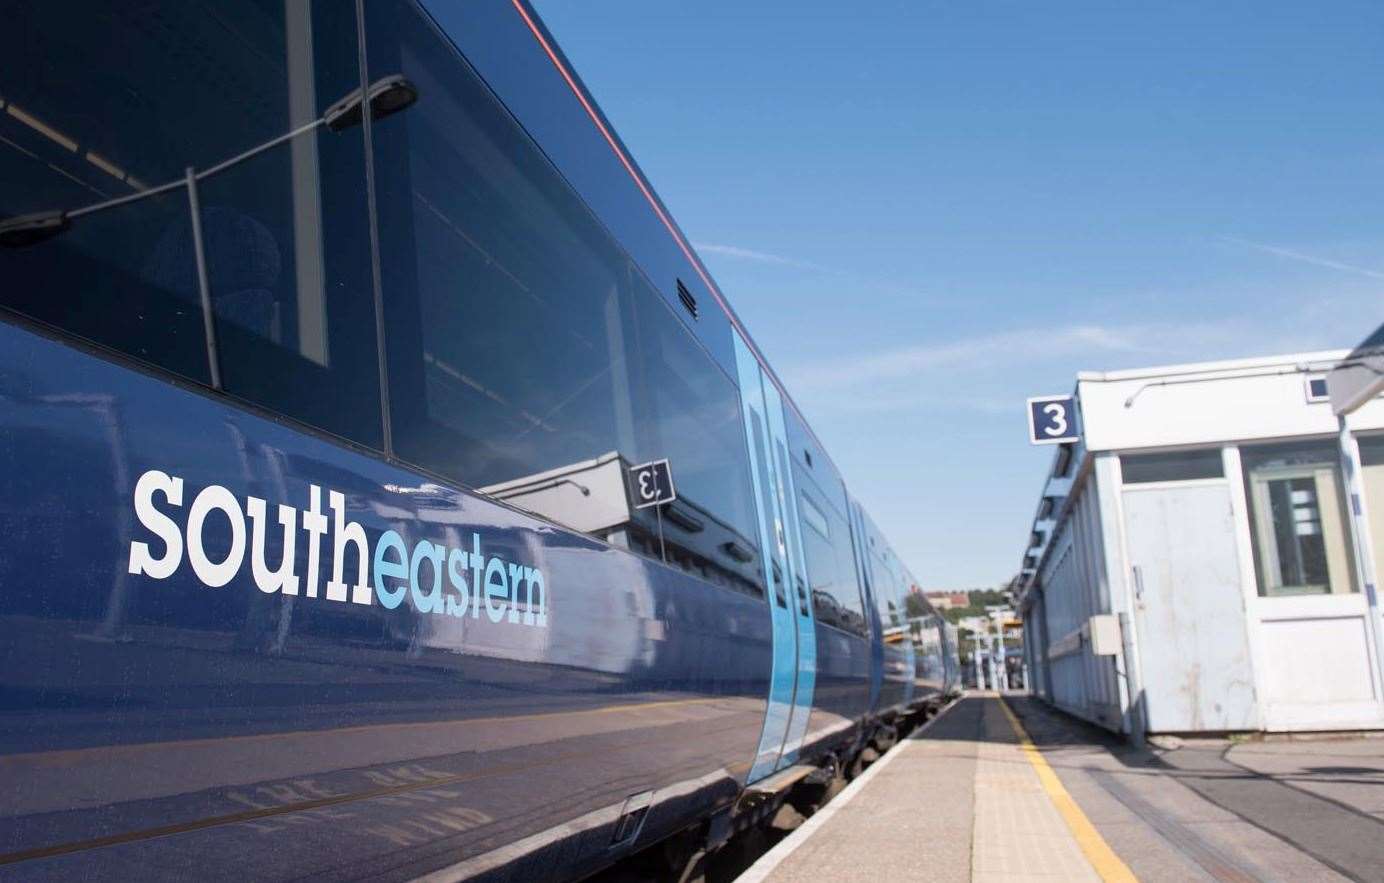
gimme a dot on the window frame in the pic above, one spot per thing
(1171, 455)
(1259, 503)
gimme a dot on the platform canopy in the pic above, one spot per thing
(1360, 377)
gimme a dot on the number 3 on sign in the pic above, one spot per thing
(653, 483)
(648, 488)
(1058, 419)
(1052, 420)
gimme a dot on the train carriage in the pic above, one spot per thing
(386, 488)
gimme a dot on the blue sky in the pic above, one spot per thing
(926, 212)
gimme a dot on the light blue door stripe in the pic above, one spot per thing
(799, 590)
(781, 678)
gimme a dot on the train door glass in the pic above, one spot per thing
(777, 575)
(800, 601)
(868, 587)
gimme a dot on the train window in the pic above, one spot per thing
(689, 411)
(821, 559)
(765, 485)
(886, 583)
(830, 566)
(528, 357)
(814, 517)
(283, 234)
(852, 594)
(811, 456)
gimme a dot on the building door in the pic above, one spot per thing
(1312, 620)
(1189, 608)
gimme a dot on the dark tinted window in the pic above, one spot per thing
(90, 111)
(528, 356)
(886, 577)
(830, 563)
(1172, 466)
(497, 42)
(889, 611)
(814, 460)
(689, 412)
(1371, 450)
(1062, 461)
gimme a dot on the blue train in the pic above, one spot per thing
(386, 489)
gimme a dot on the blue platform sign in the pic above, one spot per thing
(1052, 420)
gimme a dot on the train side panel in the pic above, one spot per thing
(252, 617)
(203, 721)
(930, 666)
(841, 698)
(893, 643)
(951, 658)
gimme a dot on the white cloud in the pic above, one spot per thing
(864, 283)
(990, 373)
(981, 353)
(749, 254)
(1294, 255)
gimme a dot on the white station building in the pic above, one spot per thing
(1202, 558)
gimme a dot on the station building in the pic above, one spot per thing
(1192, 566)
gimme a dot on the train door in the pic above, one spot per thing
(867, 587)
(906, 585)
(775, 562)
(799, 599)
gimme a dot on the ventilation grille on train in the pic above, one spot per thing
(688, 301)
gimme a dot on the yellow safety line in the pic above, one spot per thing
(1097, 851)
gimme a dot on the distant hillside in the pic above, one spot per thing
(979, 600)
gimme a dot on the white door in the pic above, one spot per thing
(1313, 623)
(1189, 608)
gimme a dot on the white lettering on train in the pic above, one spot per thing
(468, 582)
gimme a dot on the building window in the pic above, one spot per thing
(1061, 461)
(1371, 450)
(1172, 466)
(1315, 388)
(1298, 519)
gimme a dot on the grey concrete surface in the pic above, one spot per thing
(1208, 810)
(913, 822)
(1151, 815)
(1321, 797)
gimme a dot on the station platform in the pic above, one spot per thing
(1005, 788)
